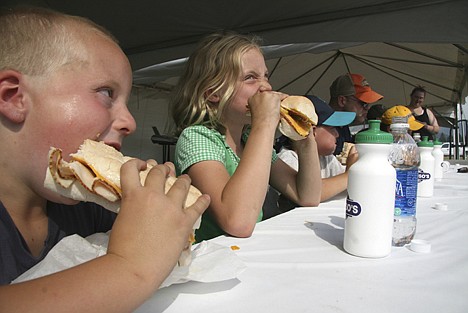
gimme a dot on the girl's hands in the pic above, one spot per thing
(265, 107)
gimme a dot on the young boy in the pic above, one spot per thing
(64, 79)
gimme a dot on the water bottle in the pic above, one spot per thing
(438, 160)
(371, 195)
(426, 168)
(404, 157)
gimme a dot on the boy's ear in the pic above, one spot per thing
(11, 96)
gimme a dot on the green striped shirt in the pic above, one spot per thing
(199, 143)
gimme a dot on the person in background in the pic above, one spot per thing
(64, 79)
(422, 114)
(334, 174)
(402, 112)
(224, 88)
(351, 93)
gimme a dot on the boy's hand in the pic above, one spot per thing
(152, 227)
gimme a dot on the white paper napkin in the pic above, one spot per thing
(210, 262)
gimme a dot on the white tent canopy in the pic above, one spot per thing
(152, 32)
(392, 69)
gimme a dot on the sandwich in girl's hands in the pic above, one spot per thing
(297, 117)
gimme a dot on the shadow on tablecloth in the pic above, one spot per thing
(333, 234)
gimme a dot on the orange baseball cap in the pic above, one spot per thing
(402, 112)
(354, 85)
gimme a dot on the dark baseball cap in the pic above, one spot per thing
(328, 116)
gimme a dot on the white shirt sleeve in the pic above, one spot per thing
(330, 166)
(289, 157)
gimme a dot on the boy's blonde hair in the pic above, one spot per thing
(213, 68)
(37, 41)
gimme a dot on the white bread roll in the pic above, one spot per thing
(297, 117)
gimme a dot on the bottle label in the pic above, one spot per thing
(406, 192)
(352, 208)
(422, 176)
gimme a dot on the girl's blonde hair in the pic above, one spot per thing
(213, 68)
(37, 41)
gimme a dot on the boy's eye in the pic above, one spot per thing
(107, 92)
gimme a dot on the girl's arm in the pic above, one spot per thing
(305, 186)
(236, 201)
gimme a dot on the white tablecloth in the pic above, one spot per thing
(296, 263)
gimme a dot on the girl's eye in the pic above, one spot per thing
(255, 77)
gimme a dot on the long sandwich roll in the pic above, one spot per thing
(93, 175)
(297, 117)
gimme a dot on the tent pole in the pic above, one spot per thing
(457, 153)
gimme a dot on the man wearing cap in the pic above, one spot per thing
(351, 93)
(401, 112)
(334, 175)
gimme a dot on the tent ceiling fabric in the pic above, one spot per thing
(153, 32)
(392, 69)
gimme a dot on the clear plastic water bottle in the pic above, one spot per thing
(404, 157)
(371, 195)
(426, 168)
(438, 160)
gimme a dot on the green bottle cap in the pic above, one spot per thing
(437, 143)
(425, 142)
(374, 134)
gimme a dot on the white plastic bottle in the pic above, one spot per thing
(371, 195)
(426, 168)
(404, 157)
(438, 160)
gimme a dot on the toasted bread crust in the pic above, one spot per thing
(297, 117)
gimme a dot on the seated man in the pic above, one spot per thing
(351, 93)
